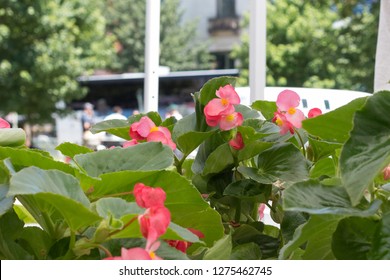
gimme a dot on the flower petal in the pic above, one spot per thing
(287, 99)
(296, 118)
(231, 121)
(4, 123)
(314, 112)
(229, 93)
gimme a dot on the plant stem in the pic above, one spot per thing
(105, 250)
(302, 143)
(125, 226)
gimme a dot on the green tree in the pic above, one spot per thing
(179, 48)
(328, 44)
(44, 47)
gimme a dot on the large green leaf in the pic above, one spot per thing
(145, 156)
(367, 150)
(12, 137)
(221, 250)
(323, 167)
(282, 161)
(71, 149)
(219, 160)
(315, 198)
(123, 211)
(316, 233)
(381, 240)
(205, 149)
(209, 89)
(119, 128)
(353, 238)
(248, 189)
(57, 190)
(187, 207)
(10, 230)
(6, 202)
(24, 157)
(323, 126)
(186, 137)
(267, 108)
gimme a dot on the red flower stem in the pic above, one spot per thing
(125, 226)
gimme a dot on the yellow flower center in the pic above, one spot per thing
(292, 111)
(230, 118)
(152, 255)
(279, 121)
(153, 129)
(224, 101)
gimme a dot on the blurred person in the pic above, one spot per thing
(88, 119)
(116, 115)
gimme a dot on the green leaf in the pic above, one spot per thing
(187, 207)
(267, 108)
(381, 240)
(120, 209)
(205, 149)
(367, 150)
(10, 229)
(249, 189)
(24, 157)
(209, 89)
(247, 251)
(6, 202)
(71, 149)
(186, 137)
(316, 233)
(252, 149)
(55, 189)
(12, 137)
(119, 128)
(322, 149)
(38, 240)
(324, 127)
(145, 156)
(282, 161)
(353, 238)
(214, 162)
(247, 112)
(323, 167)
(221, 250)
(315, 198)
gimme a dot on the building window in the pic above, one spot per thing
(226, 8)
(327, 106)
(304, 103)
(223, 60)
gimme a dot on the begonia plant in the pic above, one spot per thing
(225, 182)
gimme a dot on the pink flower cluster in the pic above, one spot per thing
(4, 124)
(146, 130)
(288, 116)
(220, 111)
(153, 223)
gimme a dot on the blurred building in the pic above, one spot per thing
(219, 23)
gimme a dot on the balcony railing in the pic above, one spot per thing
(225, 24)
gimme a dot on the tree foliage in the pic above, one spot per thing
(327, 44)
(44, 47)
(178, 46)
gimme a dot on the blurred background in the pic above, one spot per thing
(59, 57)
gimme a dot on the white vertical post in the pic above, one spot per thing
(152, 54)
(257, 49)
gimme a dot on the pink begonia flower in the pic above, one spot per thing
(386, 173)
(237, 142)
(137, 254)
(231, 121)
(130, 143)
(314, 112)
(163, 135)
(141, 129)
(4, 123)
(154, 223)
(182, 245)
(145, 129)
(147, 197)
(281, 120)
(261, 211)
(287, 102)
(224, 104)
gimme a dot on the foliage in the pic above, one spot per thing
(44, 47)
(178, 47)
(335, 50)
(322, 184)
